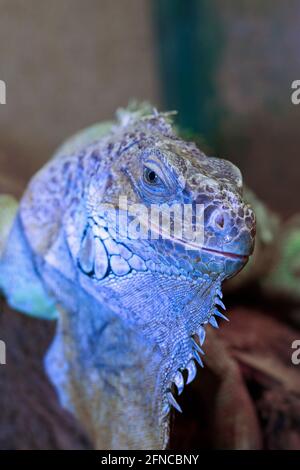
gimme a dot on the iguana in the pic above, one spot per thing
(131, 312)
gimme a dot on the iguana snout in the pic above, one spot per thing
(229, 227)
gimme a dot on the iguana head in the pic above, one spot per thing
(155, 171)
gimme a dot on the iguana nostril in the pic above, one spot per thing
(219, 221)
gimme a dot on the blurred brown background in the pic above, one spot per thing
(68, 64)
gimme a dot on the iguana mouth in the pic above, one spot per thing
(226, 254)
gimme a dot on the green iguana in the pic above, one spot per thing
(132, 310)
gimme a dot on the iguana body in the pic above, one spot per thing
(129, 310)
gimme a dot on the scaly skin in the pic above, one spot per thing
(129, 310)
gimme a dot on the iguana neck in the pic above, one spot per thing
(107, 375)
(114, 372)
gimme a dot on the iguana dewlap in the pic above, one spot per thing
(131, 312)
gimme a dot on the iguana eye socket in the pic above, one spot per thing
(151, 177)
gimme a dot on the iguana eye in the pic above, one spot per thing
(150, 176)
(155, 181)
